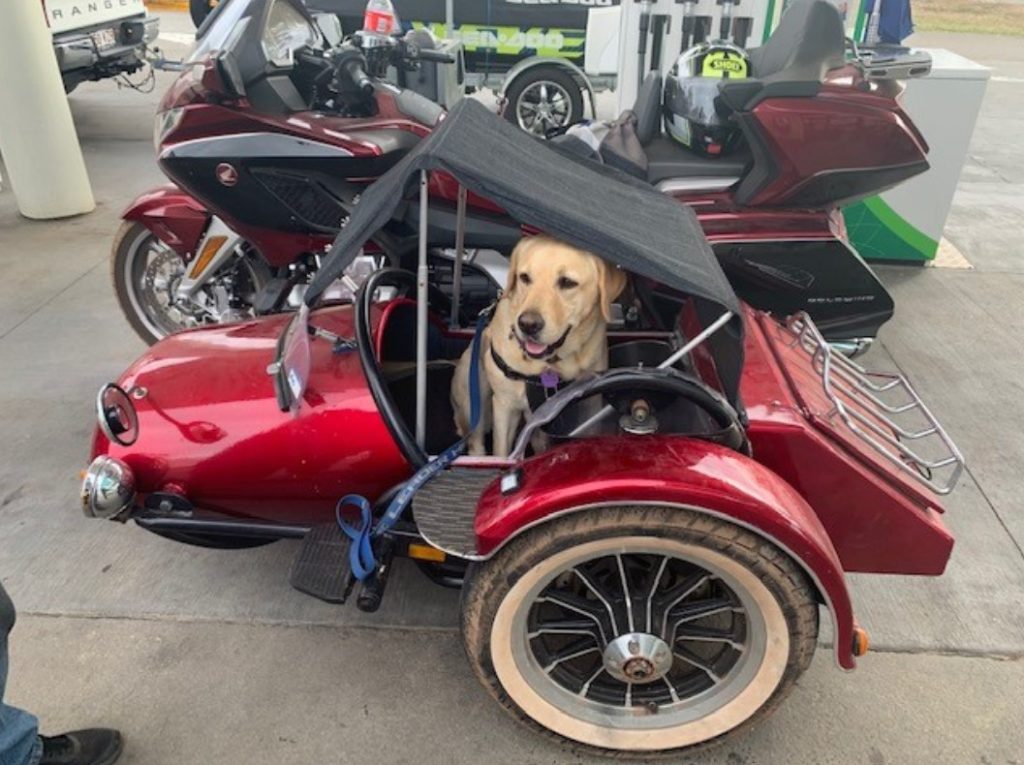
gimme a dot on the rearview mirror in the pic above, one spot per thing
(230, 74)
(330, 26)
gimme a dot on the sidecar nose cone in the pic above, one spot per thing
(108, 488)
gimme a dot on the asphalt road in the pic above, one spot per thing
(206, 656)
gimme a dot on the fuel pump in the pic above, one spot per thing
(652, 33)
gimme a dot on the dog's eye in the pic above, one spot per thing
(525, 279)
(565, 283)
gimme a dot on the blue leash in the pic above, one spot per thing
(361, 558)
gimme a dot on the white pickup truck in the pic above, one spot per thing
(95, 39)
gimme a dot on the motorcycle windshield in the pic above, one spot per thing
(225, 29)
(261, 36)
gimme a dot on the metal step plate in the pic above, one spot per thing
(445, 508)
(321, 566)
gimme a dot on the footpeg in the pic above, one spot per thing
(321, 567)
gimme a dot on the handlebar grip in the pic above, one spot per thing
(354, 69)
(426, 54)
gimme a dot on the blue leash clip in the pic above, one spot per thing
(361, 558)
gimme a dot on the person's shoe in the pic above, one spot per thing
(97, 746)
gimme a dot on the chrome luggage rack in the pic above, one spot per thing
(883, 410)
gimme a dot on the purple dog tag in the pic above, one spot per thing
(549, 379)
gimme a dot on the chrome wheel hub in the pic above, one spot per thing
(638, 657)
(155, 270)
(542, 106)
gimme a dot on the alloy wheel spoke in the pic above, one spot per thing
(671, 689)
(700, 609)
(586, 686)
(693, 659)
(693, 632)
(569, 627)
(668, 600)
(583, 607)
(601, 594)
(653, 589)
(625, 592)
(572, 651)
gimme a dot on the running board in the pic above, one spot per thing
(321, 566)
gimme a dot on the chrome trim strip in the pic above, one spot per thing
(250, 144)
(672, 185)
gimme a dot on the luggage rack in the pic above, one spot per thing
(883, 410)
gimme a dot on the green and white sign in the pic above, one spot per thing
(906, 222)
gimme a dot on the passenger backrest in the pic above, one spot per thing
(808, 42)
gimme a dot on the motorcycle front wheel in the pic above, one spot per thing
(146, 272)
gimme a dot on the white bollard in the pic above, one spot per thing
(37, 136)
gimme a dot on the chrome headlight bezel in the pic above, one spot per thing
(108, 488)
(116, 415)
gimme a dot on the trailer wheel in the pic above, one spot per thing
(638, 629)
(543, 99)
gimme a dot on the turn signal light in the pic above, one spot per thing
(861, 642)
(210, 248)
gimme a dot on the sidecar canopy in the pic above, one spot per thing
(593, 207)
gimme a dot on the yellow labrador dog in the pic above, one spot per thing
(551, 322)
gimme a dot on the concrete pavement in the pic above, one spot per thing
(207, 656)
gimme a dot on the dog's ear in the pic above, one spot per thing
(522, 247)
(610, 283)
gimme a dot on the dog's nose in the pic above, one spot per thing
(530, 322)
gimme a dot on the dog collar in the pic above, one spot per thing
(547, 379)
(538, 387)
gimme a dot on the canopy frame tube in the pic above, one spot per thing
(421, 317)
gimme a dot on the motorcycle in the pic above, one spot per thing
(269, 148)
(648, 582)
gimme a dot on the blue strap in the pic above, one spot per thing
(360, 552)
(361, 558)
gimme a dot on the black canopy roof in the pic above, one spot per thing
(622, 221)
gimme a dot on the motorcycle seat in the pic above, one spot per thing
(667, 161)
(389, 140)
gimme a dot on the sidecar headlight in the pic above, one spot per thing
(108, 488)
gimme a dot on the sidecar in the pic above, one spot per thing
(651, 579)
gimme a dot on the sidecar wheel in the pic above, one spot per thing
(715, 627)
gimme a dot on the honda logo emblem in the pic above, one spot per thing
(226, 174)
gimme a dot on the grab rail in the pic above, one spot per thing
(879, 408)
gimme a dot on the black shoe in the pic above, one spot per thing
(97, 746)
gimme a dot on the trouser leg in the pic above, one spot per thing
(19, 735)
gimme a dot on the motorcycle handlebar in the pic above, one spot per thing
(354, 69)
(426, 54)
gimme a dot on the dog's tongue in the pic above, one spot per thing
(534, 348)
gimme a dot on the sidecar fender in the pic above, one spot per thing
(175, 217)
(672, 471)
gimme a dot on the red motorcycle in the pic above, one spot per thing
(270, 139)
(649, 581)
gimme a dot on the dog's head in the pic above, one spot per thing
(554, 289)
